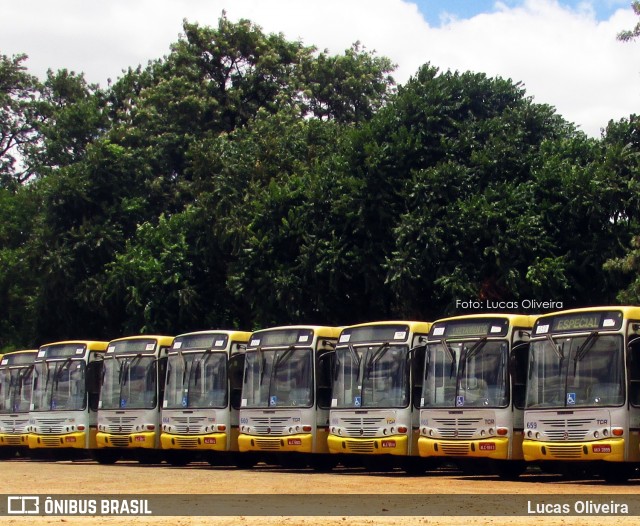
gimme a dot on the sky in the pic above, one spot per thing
(564, 52)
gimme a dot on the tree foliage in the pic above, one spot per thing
(245, 180)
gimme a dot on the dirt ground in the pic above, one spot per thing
(87, 477)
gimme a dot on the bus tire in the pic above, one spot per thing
(105, 456)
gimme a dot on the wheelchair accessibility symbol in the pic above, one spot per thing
(459, 401)
(357, 401)
(273, 401)
(571, 398)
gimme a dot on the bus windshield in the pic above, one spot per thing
(129, 382)
(278, 378)
(59, 385)
(15, 389)
(371, 376)
(466, 374)
(196, 380)
(576, 371)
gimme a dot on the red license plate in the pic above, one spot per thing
(70, 439)
(602, 449)
(139, 439)
(388, 443)
(487, 446)
(294, 442)
(209, 440)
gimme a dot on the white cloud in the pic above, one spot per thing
(564, 57)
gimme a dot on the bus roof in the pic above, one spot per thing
(319, 330)
(92, 345)
(233, 334)
(22, 357)
(162, 340)
(515, 320)
(628, 311)
(414, 326)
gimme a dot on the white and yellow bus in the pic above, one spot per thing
(202, 396)
(64, 398)
(472, 402)
(16, 370)
(374, 407)
(132, 390)
(583, 392)
(286, 394)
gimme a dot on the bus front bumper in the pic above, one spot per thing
(302, 443)
(493, 448)
(210, 442)
(393, 445)
(611, 450)
(144, 440)
(70, 440)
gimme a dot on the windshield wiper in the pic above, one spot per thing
(559, 352)
(452, 357)
(261, 363)
(379, 353)
(586, 346)
(283, 357)
(63, 366)
(584, 349)
(475, 349)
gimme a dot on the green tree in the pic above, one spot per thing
(461, 154)
(18, 93)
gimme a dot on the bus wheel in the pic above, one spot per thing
(104, 456)
(176, 458)
(510, 469)
(148, 457)
(323, 463)
(414, 466)
(617, 474)
(245, 460)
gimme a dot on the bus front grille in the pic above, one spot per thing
(270, 444)
(119, 441)
(51, 441)
(363, 432)
(571, 434)
(461, 449)
(187, 442)
(565, 452)
(52, 430)
(360, 446)
(12, 440)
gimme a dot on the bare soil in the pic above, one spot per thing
(87, 477)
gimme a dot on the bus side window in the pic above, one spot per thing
(633, 364)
